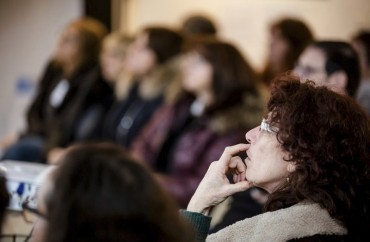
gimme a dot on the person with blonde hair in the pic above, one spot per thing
(70, 84)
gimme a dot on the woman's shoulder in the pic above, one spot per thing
(300, 221)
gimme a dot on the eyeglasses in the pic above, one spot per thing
(265, 126)
(30, 214)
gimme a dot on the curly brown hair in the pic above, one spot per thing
(327, 136)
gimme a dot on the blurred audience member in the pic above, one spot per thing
(151, 63)
(288, 38)
(185, 136)
(198, 24)
(99, 193)
(361, 43)
(148, 77)
(112, 63)
(333, 64)
(71, 83)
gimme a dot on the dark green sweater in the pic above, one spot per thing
(200, 223)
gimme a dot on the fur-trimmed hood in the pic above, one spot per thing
(245, 115)
(302, 220)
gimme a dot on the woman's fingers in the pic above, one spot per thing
(215, 186)
(237, 165)
(237, 187)
(229, 152)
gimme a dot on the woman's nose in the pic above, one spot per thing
(251, 135)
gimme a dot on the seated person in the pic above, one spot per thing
(112, 63)
(151, 62)
(99, 193)
(288, 39)
(311, 154)
(71, 83)
(333, 64)
(187, 134)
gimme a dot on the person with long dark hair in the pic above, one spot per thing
(288, 39)
(187, 134)
(99, 193)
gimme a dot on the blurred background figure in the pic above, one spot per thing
(288, 38)
(199, 24)
(152, 78)
(186, 135)
(112, 64)
(361, 43)
(99, 193)
(146, 75)
(333, 64)
(71, 83)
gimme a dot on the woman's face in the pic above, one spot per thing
(140, 59)
(112, 60)
(68, 49)
(197, 73)
(266, 167)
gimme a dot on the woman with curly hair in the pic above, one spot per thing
(311, 154)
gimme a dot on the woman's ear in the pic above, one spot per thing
(291, 167)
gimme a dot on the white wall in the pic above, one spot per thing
(245, 22)
(28, 33)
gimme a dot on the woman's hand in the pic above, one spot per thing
(215, 186)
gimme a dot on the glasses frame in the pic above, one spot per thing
(265, 126)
